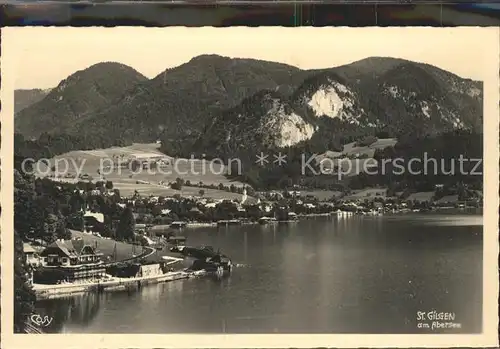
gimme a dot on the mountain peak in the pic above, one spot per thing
(107, 68)
(77, 96)
(208, 56)
(380, 60)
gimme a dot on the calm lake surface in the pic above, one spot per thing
(355, 274)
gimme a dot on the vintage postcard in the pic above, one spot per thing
(249, 187)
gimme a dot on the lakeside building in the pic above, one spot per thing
(69, 253)
(71, 260)
(31, 256)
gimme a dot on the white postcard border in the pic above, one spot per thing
(488, 338)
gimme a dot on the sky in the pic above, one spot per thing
(46, 55)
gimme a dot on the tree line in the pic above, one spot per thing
(446, 148)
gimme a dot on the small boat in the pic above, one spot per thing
(288, 221)
(197, 273)
(178, 225)
(267, 220)
(247, 221)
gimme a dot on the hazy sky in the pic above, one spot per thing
(45, 56)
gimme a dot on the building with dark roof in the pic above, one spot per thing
(72, 260)
(69, 253)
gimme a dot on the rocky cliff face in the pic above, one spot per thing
(406, 99)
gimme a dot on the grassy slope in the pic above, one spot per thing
(421, 196)
(367, 194)
(123, 250)
(321, 195)
(194, 173)
(354, 166)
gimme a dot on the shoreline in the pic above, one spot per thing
(200, 224)
(305, 216)
(335, 213)
(44, 292)
(53, 291)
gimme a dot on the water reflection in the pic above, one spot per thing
(81, 310)
(355, 274)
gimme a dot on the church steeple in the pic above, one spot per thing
(244, 196)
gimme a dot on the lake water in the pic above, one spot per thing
(356, 274)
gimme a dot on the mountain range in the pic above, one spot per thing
(25, 98)
(340, 105)
(220, 105)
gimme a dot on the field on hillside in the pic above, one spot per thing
(195, 171)
(367, 194)
(352, 167)
(153, 181)
(321, 195)
(421, 196)
(381, 143)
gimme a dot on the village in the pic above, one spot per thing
(95, 259)
(121, 240)
(230, 190)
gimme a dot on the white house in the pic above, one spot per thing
(30, 255)
(98, 216)
(267, 207)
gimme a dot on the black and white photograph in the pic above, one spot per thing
(250, 181)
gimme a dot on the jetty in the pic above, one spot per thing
(43, 291)
(228, 222)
